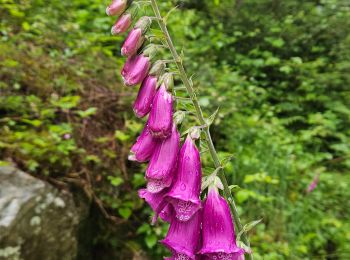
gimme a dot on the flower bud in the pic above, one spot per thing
(133, 42)
(162, 166)
(161, 116)
(135, 70)
(184, 193)
(179, 117)
(144, 24)
(143, 102)
(150, 51)
(143, 149)
(218, 232)
(117, 7)
(122, 25)
(183, 237)
(157, 68)
(168, 80)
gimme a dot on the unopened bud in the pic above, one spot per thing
(157, 68)
(168, 80)
(144, 23)
(117, 7)
(150, 51)
(195, 133)
(179, 117)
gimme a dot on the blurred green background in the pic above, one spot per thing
(278, 70)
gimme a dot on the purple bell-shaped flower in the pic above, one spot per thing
(162, 166)
(122, 24)
(136, 37)
(183, 237)
(156, 202)
(117, 7)
(184, 193)
(218, 234)
(144, 147)
(161, 116)
(143, 102)
(133, 42)
(135, 69)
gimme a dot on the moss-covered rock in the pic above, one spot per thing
(37, 221)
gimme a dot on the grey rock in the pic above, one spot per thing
(37, 221)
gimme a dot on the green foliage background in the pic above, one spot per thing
(278, 70)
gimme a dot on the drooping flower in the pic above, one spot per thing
(143, 102)
(162, 166)
(161, 115)
(135, 69)
(144, 147)
(122, 24)
(184, 193)
(218, 234)
(183, 237)
(136, 37)
(313, 184)
(117, 7)
(156, 202)
(133, 42)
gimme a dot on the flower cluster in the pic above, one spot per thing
(197, 230)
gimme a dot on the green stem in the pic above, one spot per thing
(200, 116)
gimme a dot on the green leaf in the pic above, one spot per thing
(211, 119)
(151, 240)
(121, 136)
(35, 122)
(125, 212)
(248, 227)
(115, 181)
(89, 112)
(144, 228)
(67, 102)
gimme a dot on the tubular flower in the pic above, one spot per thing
(184, 193)
(183, 237)
(313, 184)
(117, 7)
(133, 42)
(162, 165)
(155, 201)
(122, 25)
(161, 115)
(218, 235)
(135, 69)
(143, 149)
(143, 102)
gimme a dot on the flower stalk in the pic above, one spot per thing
(199, 114)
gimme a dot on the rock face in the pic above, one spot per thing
(37, 221)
